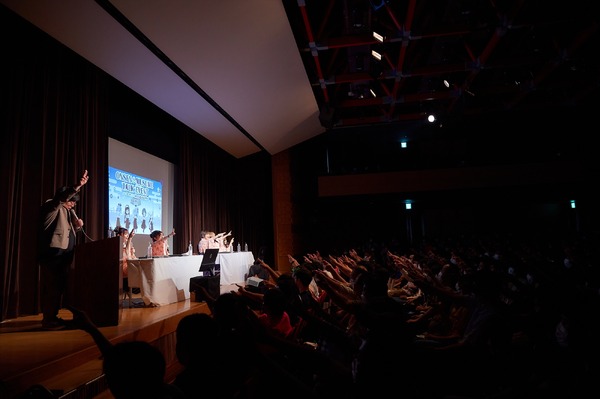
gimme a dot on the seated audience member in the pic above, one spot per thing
(311, 322)
(273, 316)
(303, 278)
(285, 282)
(257, 270)
(274, 274)
(197, 349)
(160, 246)
(270, 363)
(470, 360)
(385, 335)
(146, 380)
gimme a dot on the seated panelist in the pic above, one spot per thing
(160, 246)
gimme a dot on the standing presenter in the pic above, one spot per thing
(58, 225)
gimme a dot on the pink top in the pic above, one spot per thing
(160, 247)
(282, 326)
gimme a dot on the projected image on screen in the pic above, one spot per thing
(134, 202)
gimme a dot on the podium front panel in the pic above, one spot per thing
(95, 281)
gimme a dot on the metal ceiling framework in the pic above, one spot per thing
(495, 56)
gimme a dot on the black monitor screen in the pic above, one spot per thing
(209, 260)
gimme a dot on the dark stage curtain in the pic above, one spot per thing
(52, 118)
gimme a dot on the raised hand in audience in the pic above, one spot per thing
(313, 258)
(342, 268)
(354, 255)
(273, 273)
(293, 261)
(82, 321)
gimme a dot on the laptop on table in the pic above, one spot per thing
(209, 259)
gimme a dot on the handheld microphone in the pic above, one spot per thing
(75, 220)
(74, 215)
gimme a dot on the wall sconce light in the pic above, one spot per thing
(572, 204)
(408, 204)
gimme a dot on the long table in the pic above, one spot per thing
(166, 280)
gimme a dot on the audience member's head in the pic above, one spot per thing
(303, 275)
(195, 335)
(135, 369)
(231, 313)
(376, 283)
(285, 282)
(274, 303)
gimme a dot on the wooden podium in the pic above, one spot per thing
(95, 281)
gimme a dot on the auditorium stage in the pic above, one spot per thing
(68, 362)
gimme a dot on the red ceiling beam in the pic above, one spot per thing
(410, 15)
(381, 119)
(315, 53)
(404, 99)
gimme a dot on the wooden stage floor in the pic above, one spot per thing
(69, 361)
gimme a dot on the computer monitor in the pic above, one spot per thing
(209, 261)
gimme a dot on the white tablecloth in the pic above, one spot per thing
(234, 266)
(167, 280)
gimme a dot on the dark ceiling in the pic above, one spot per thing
(258, 75)
(495, 56)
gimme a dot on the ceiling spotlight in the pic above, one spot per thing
(446, 83)
(376, 55)
(431, 118)
(378, 37)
